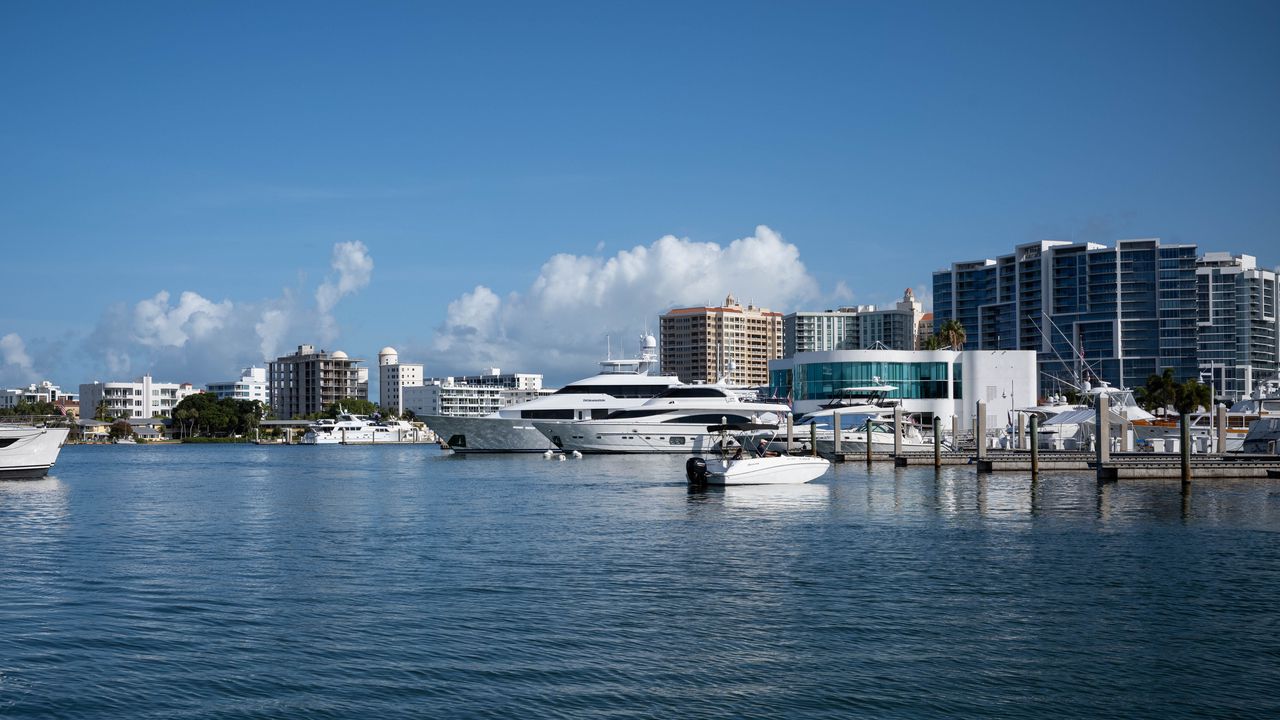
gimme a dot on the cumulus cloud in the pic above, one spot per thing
(197, 339)
(353, 267)
(559, 324)
(15, 362)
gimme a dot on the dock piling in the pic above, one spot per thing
(1222, 428)
(980, 430)
(937, 443)
(1035, 446)
(1102, 428)
(813, 439)
(1022, 431)
(835, 428)
(1185, 447)
(868, 441)
(791, 432)
(897, 430)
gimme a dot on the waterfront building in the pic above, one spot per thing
(854, 328)
(1236, 312)
(393, 377)
(924, 329)
(42, 392)
(705, 344)
(306, 381)
(929, 383)
(251, 385)
(143, 398)
(473, 395)
(1090, 311)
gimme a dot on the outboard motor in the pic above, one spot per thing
(695, 468)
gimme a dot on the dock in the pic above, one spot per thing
(1119, 466)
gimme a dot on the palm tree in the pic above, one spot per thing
(1158, 392)
(1191, 396)
(952, 334)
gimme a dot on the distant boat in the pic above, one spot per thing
(29, 452)
(350, 429)
(126, 441)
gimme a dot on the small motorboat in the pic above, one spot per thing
(744, 460)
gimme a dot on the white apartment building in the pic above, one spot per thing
(252, 385)
(45, 392)
(393, 377)
(855, 328)
(142, 398)
(445, 397)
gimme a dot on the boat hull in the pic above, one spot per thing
(667, 438)
(29, 452)
(487, 434)
(784, 470)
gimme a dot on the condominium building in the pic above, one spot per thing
(1090, 311)
(43, 392)
(1236, 311)
(854, 328)
(142, 398)
(308, 380)
(705, 344)
(473, 395)
(393, 377)
(251, 385)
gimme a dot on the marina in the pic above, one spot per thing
(374, 579)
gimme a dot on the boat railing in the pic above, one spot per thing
(40, 420)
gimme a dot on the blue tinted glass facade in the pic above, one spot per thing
(822, 381)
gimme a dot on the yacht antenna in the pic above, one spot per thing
(608, 343)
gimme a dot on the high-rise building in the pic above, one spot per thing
(252, 385)
(393, 377)
(142, 398)
(306, 381)
(853, 328)
(1236, 311)
(1091, 312)
(705, 344)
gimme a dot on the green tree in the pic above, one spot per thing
(932, 342)
(120, 429)
(101, 412)
(1158, 393)
(952, 334)
(355, 406)
(1191, 396)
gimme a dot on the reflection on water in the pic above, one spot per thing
(378, 582)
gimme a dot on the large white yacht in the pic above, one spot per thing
(620, 384)
(674, 422)
(29, 452)
(349, 429)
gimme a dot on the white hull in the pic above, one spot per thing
(851, 442)
(1147, 433)
(488, 434)
(781, 470)
(367, 434)
(29, 451)
(669, 438)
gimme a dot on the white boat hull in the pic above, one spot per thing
(782, 470)
(856, 442)
(29, 452)
(669, 438)
(487, 434)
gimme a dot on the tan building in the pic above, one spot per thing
(306, 381)
(704, 344)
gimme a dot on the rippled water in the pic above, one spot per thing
(238, 581)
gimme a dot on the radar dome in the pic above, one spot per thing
(650, 341)
(388, 350)
(338, 355)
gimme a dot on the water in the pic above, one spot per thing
(238, 581)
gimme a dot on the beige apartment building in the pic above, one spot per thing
(704, 344)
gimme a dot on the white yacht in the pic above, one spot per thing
(1263, 402)
(674, 422)
(620, 384)
(349, 429)
(29, 452)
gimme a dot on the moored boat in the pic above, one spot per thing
(744, 460)
(29, 452)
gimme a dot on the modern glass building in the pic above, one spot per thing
(1090, 312)
(1236, 323)
(945, 383)
(854, 328)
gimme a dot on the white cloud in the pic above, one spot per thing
(199, 340)
(559, 324)
(156, 324)
(354, 267)
(15, 361)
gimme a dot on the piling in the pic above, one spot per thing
(1035, 445)
(1102, 425)
(955, 432)
(1126, 434)
(980, 430)
(897, 430)
(835, 426)
(937, 443)
(1222, 428)
(813, 439)
(868, 440)
(1185, 431)
(1022, 432)
(791, 432)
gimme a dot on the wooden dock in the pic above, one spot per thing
(1120, 466)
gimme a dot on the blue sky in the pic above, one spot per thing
(231, 150)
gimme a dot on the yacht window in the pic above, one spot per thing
(709, 419)
(625, 414)
(547, 414)
(694, 392)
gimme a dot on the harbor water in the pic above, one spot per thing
(380, 582)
